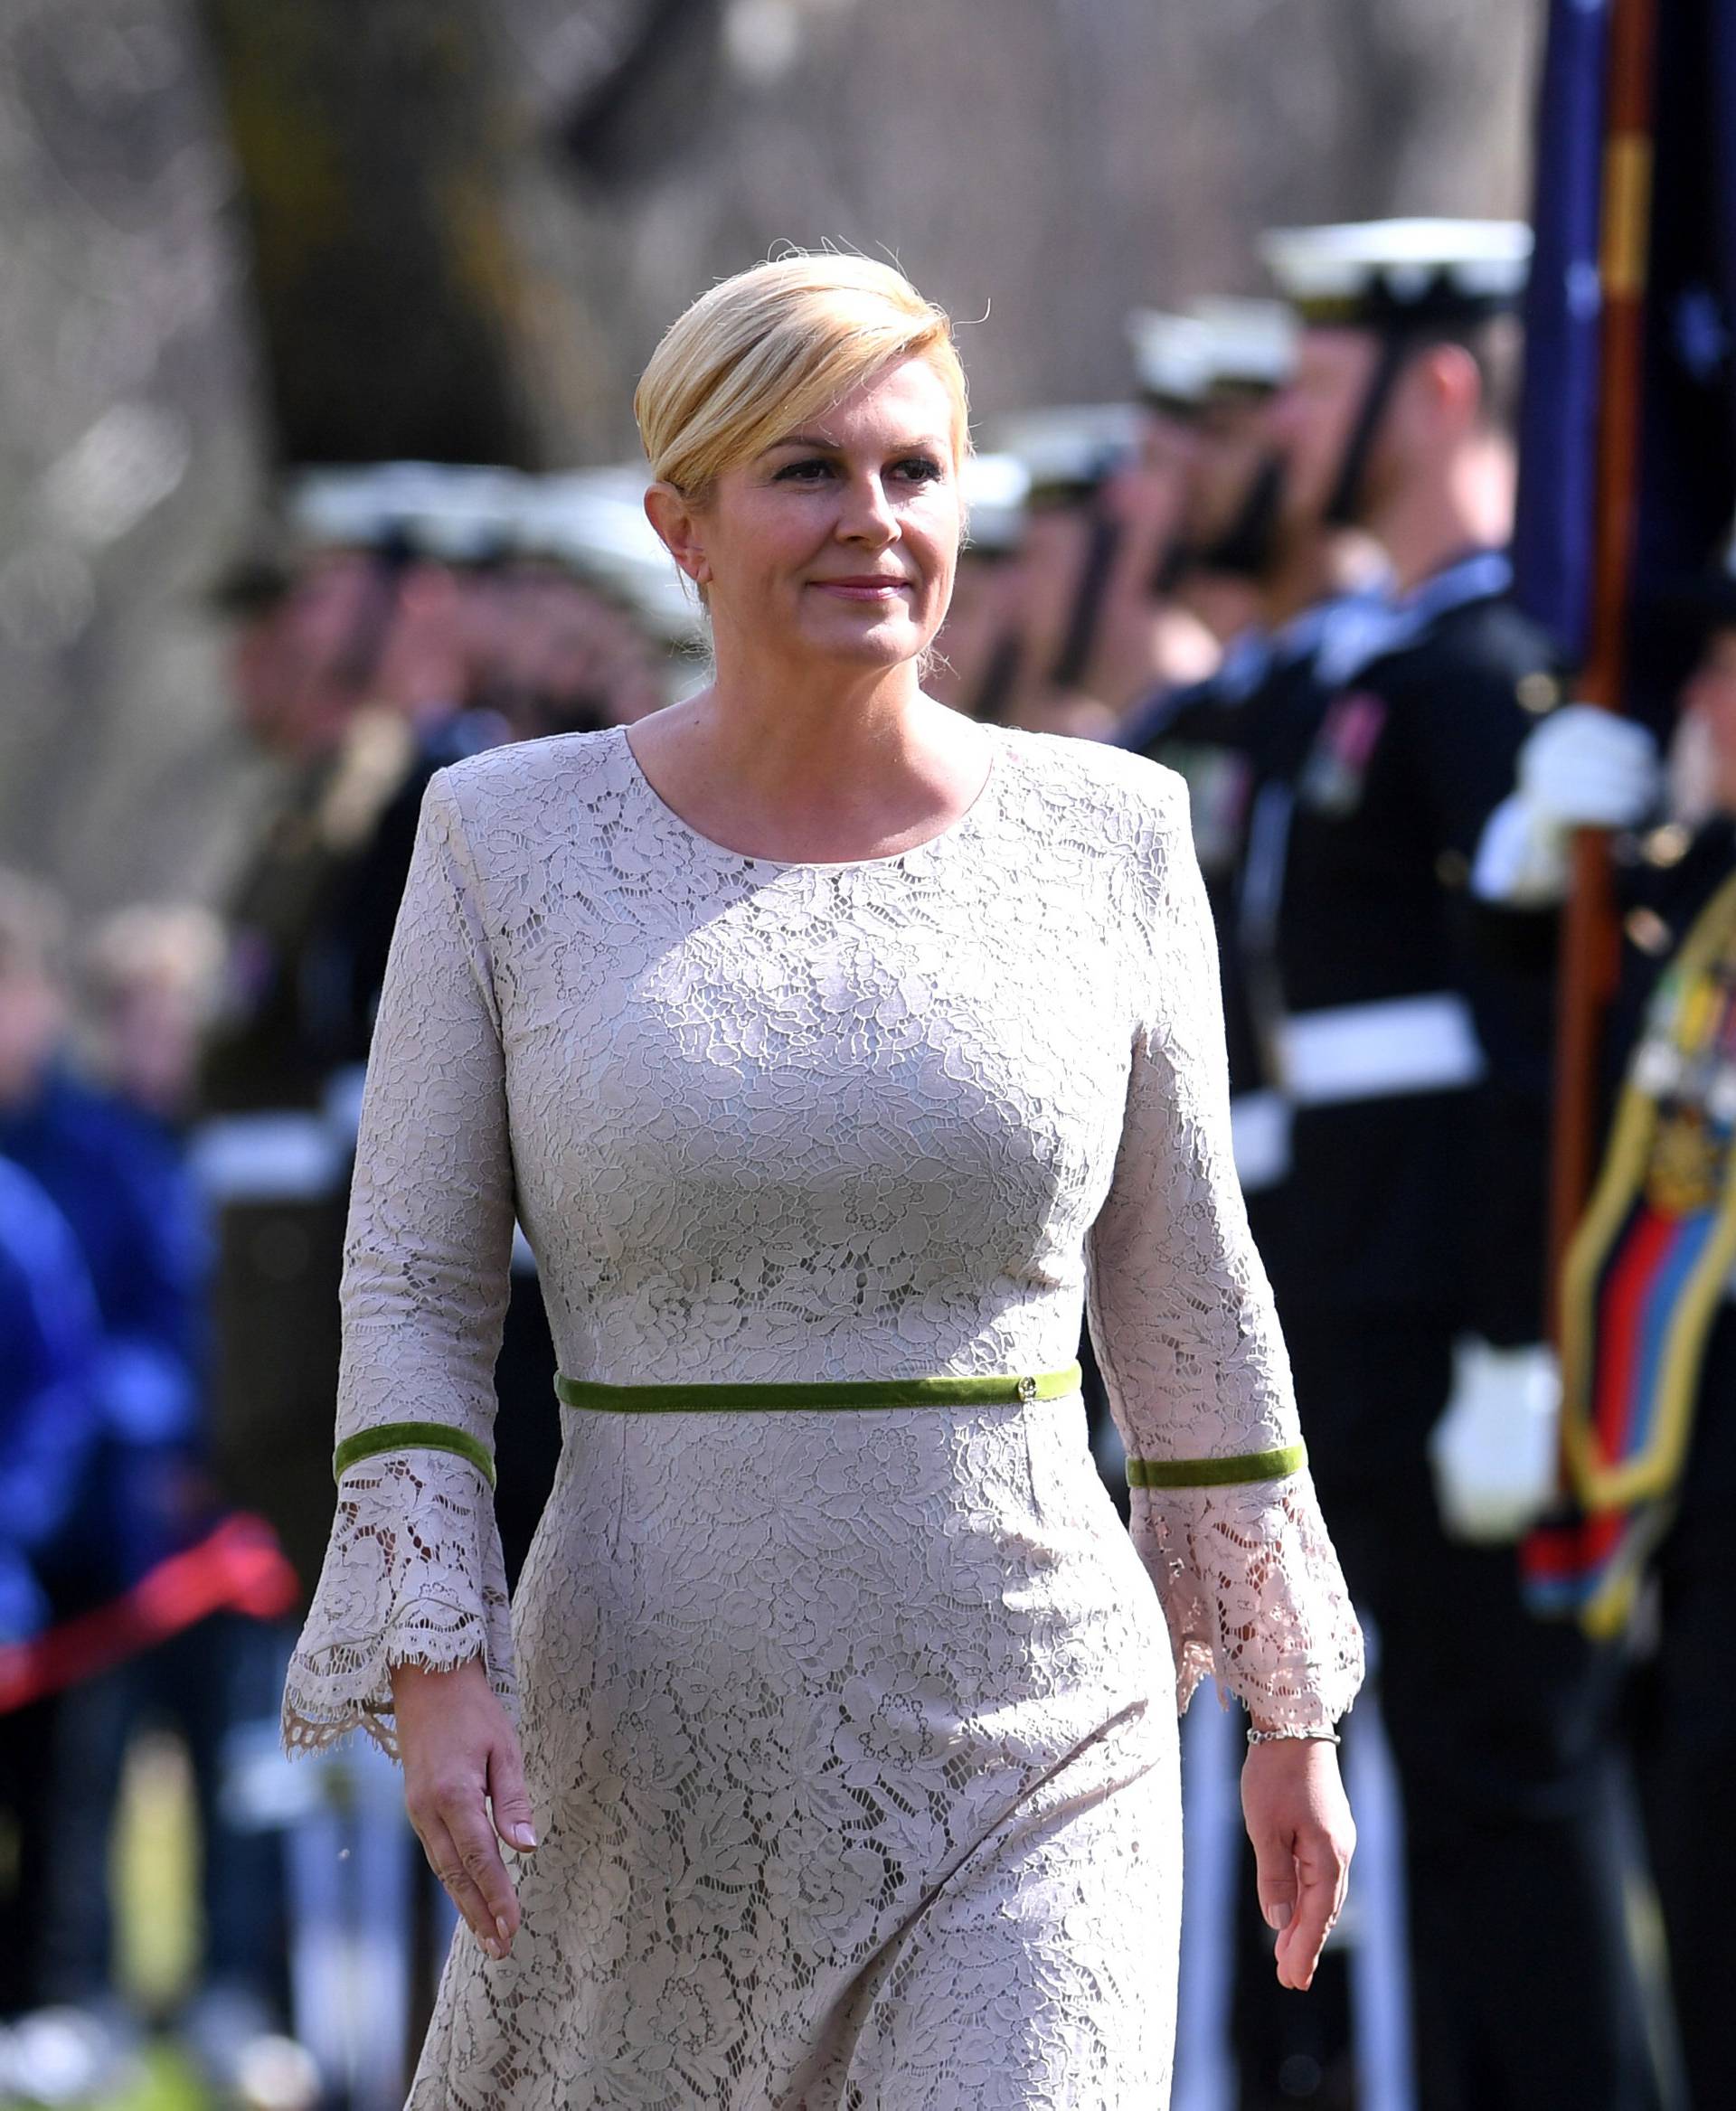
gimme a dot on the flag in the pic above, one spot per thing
(1558, 420)
(1682, 178)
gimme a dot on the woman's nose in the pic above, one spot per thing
(867, 513)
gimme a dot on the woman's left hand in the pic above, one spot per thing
(1298, 1820)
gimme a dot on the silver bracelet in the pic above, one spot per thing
(1271, 1737)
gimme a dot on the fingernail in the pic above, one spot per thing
(523, 1836)
(501, 1929)
(1279, 1914)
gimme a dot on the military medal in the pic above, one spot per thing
(1218, 784)
(1338, 763)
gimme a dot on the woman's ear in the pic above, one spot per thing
(677, 524)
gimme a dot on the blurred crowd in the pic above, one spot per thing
(1278, 566)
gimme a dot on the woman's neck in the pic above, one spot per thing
(804, 726)
(803, 769)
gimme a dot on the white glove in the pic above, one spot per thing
(1494, 1450)
(1581, 768)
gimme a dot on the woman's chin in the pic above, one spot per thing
(883, 643)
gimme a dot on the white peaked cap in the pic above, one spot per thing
(1400, 260)
(455, 512)
(1069, 444)
(1250, 342)
(994, 488)
(1171, 355)
(593, 521)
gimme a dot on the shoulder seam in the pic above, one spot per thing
(445, 794)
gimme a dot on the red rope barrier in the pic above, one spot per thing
(239, 1568)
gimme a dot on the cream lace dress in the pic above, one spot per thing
(851, 1736)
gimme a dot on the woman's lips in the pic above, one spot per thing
(863, 590)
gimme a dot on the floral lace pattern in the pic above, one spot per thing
(850, 1736)
(413, 1574)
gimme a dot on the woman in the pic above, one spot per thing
(822, 1042)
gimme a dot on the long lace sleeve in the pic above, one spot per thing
(413, 1571)
(1224, 1510)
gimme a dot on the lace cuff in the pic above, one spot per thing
(1252, 1592)
(413, 1573)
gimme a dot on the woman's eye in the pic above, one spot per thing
(817, 469)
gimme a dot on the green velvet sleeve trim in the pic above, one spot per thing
(1217, 1473)
(412, 1436)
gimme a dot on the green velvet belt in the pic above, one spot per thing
(864, 1392)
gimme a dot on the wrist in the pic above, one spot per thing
(1277, 1733)
(416, 1674)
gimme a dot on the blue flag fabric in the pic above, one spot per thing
(1558, 425)
(1688, 477)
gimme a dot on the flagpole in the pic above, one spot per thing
(1589, 935)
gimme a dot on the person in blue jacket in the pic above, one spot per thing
(120, 1181)
(48, 1431)
(111, 1155)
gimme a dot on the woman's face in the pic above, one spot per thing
(838, 543)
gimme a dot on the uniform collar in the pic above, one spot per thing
(1256, 652)
(1480, 575)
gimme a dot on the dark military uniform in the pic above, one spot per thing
(270, 1151)
(282, 1090)
(1681, 1713)
(1409, 1030)
(1223, 736)
(1220, 735)
(1409, 1026)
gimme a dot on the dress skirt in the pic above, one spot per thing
(851, 1743)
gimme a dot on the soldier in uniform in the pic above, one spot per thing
(1648, 1290)
(1074, 548)
(1305, 585)
(305, 663)
(1409, 1029)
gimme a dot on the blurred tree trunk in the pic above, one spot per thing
(374, 145)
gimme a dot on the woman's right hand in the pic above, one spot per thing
(461, 1757)
(1303, 1837)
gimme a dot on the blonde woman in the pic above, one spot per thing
(830, 1049)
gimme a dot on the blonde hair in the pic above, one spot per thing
(762, 352)
(176, 947)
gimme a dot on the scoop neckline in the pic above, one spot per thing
(960, 823)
